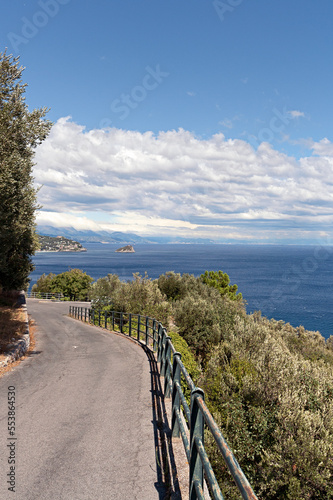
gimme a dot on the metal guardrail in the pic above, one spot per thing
(44, 295)
(189, 419)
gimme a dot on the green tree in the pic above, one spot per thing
(44, 283)
(103, 291)
(220, 280)
(74, 284)
(20, 132)
(172, 285)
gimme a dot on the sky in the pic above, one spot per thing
(193, 118)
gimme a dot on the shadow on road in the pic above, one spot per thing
(167, 482)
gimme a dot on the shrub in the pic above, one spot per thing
(140, 296)
(172, 285)
(73, 284)
(275, 408)
(221, 281)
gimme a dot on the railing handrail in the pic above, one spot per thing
(188, 420)
(44, 295)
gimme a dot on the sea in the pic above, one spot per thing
(288, 282)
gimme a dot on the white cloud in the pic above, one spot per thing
(175, 182)
(323, 148)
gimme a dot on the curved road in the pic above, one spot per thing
(84, 417)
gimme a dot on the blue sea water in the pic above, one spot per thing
(292, 283)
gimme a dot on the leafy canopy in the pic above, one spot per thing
(220, 280)
(20, 132)
(74, 284)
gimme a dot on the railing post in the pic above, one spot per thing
(85, 315)
(93, 317)
(168, 374)
(176, 377)
(162, 353)
(147, 331)
(121, 322)
(196, 432)
(159, 343)
(113, 320)
(130, 325)
(105, 320)
(138, 335)
(154, 336)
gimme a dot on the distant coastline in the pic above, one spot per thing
(58, 244)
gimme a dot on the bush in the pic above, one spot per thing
(275, 408)
(102, 293)
(73, 284)
(204, 318)
(220, 281)
(140, 296)
(172, 285)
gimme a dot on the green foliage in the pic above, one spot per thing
(204, 318)
(188, 358)
(74, 284)
(220, 280)
(172, 285)
(103, 291)
(20, 132)
(275, 409)
(44, 283)
(139, 296)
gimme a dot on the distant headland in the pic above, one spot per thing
(59, 244)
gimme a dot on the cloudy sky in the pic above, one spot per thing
(196, 118)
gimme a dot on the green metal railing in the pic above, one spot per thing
(189, 418)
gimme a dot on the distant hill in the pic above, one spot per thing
(114, 237)
(91, 236)
(59, 244)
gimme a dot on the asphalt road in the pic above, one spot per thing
(83, 416)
